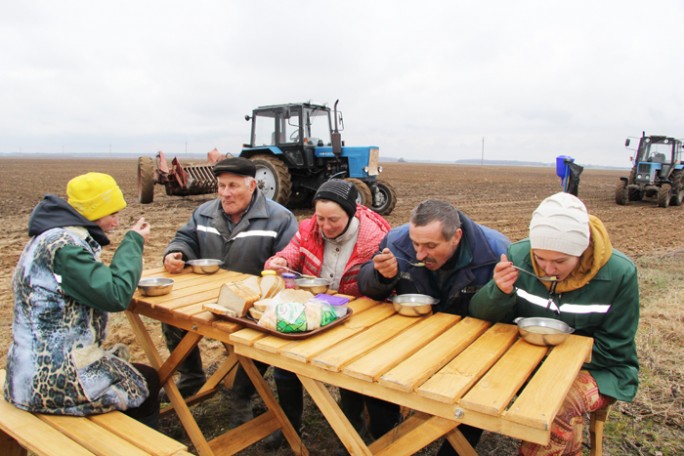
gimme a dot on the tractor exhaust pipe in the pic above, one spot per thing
(336, 137)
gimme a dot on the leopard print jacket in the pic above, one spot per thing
(56, 363)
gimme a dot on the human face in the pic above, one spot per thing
(330, 218)
(108, 222)
(430, 245)
(235, 192)
(555, 263)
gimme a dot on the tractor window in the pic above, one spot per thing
(264, 130)
(318, 128)
(659, 153)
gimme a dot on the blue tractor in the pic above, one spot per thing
(297, 146)
(658, 172)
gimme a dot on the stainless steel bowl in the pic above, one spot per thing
(543, 331)
(204, 266)
(315, 285)
(413, 305)
(155, 286)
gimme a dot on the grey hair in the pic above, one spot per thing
(436, 210)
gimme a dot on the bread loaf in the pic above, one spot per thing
(271, 285)
(237, 297)
(252, 282)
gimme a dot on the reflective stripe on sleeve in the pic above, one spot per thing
(567, 308)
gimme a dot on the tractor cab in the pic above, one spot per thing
(657, 172)
(656, 158)
(290, 125)
(297, 146)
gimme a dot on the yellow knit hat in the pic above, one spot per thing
(95, 195)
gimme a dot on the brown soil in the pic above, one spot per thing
(502, 198)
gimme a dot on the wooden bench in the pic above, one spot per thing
(112, 433)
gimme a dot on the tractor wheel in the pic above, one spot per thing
(385, 199)
(365, 198)
(273, 178)
(300, 199)
(621, 193)
(664, 194)
(677, 189)
(634, 194)
(145, 180)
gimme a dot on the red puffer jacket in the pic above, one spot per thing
(304, 253)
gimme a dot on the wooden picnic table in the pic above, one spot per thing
(183, 308)
(445, 369)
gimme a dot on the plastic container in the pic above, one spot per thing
(562, 168)
(338, 303)
(289, 279)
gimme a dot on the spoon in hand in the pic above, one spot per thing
(542, 278)
(303, 276)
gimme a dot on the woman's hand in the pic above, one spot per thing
(278, 264)
(505, 275)
(142, 228)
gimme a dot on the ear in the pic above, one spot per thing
(457, 237)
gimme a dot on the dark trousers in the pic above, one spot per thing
(472, 435)
(147, 412)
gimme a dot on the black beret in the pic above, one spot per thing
(235, 165)
(341, 192)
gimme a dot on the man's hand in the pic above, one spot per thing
(386, 264)
(173, 262)
(505, 275)
(142, 228)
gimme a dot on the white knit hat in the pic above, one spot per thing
(561, 224)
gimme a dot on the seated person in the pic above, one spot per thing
(333, 244)
(597, 294)
(63, 294)
(243, 228)
(458, 257)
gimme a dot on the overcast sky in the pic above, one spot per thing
(420, 79)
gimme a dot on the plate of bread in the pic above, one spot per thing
(263, 303)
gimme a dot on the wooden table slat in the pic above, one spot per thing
(433, 356)
(370, 367)
(542, 397)
(496, 389)
(455, 378)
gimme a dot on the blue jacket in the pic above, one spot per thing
(471, 268)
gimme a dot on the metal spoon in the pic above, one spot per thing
(418, 264)
(303, 276)
(542, 278)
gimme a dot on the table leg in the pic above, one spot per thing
(410, 436)
(335, 417)
(274, 407)
(186, 418)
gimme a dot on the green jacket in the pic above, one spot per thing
(605, 306)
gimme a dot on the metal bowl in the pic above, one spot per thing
(413, 305)
(155, 286)
(316, 285)
(543, 331)
(204, 266)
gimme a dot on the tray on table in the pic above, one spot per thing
(249, 322)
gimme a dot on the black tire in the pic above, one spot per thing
(386, 198)
(300, 199)
(677, 189)
(145, 180)
(621, 194)
(664, 194)
(273, 178)
(634, 194)
(365, 197)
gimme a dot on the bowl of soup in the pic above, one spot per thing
(543, 331)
